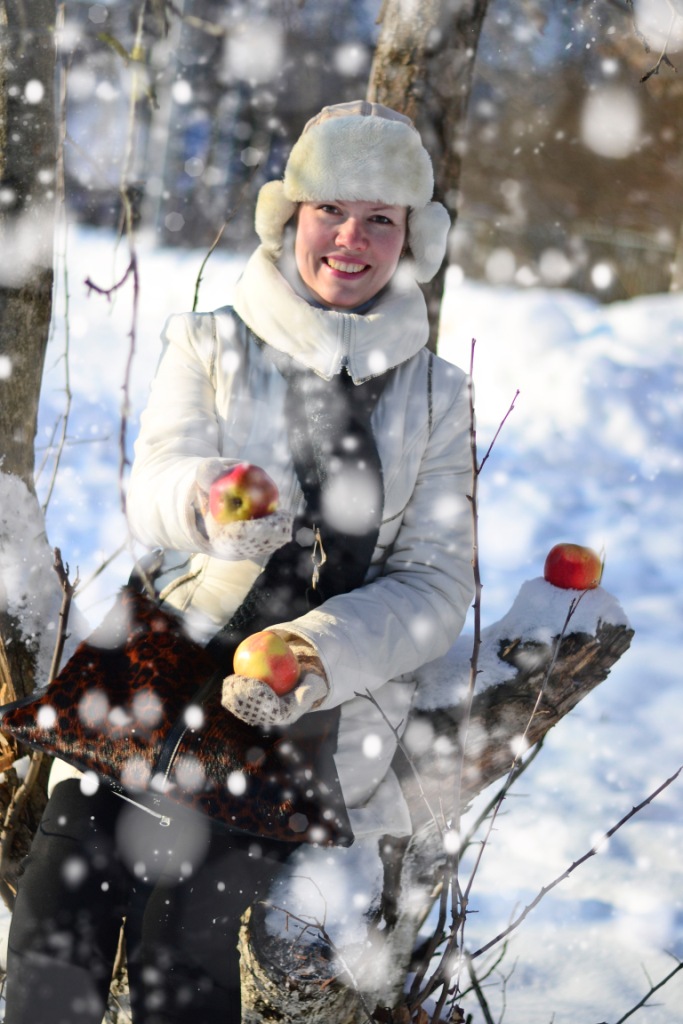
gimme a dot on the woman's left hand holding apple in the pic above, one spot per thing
(251, 533)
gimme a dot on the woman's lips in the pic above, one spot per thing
(343, 267)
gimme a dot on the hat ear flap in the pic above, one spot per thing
(428, 228)
(273, 210)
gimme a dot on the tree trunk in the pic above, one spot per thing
(27, 173)
(298, 979)
(27, 199)
(423, 66)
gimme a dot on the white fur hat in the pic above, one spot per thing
(359, 151)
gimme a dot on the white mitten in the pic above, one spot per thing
(256, 704)
(249, 538)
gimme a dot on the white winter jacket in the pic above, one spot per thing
(217, 394)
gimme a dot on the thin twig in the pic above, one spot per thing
(68, 591)
(653, 989)
(398, 736)
(577, 863)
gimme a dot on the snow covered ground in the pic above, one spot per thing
(592, 453)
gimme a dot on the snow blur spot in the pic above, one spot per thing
(351, 59)
(74, 871)
(611, 122)
(237, 783)
(350, 501)
(174, 221)
(119, 718)
(189, 774)
(135, 774)
(500, 266)
(600, 842)
(46, 717)
(372, 746)
(106, 92)
(377, 361)
(602, 275)
(5, 367)
(140, 842)
(97, 14)
(89, 783)
(447, 508)
(419, 736)
(194, 166)
(93, 708)
(34, 90)
(194, 716)
(317, 834)
(230, 361)
(181, 91)
(298, 822)
(519, 745)
(421, 628)
(251, 156)
(451, 841)
(555, 267)
(148, 708)
(255, 50)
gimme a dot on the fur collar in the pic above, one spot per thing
(394, 330)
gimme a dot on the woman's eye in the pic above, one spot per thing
(328, 208)
(379, 218)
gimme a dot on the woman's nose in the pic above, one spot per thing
(351, 235)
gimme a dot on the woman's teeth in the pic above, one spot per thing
(346, 268)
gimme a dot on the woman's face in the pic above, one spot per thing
(346, 251)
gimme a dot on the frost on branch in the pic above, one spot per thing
(336, 958)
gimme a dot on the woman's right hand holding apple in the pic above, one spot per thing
(269, 687)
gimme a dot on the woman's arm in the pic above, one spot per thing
(179, 430)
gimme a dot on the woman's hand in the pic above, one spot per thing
(256, 704)
(249, 538)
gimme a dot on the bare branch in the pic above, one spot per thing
(653, 989)
(577, 863)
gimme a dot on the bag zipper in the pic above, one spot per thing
(164, 819)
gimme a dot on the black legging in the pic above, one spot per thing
(182, 890)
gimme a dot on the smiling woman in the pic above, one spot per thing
(346, 252)
(319, 374)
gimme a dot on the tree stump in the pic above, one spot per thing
(450, 753)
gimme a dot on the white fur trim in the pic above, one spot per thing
(359, 151)
(360, 158)
(273, 210)
(427, 237)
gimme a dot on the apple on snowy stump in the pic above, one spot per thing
(573, 567)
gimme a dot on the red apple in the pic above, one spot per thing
(244, 492)
(266, 656)
(573, 567)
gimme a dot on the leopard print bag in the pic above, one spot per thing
(139, 705)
